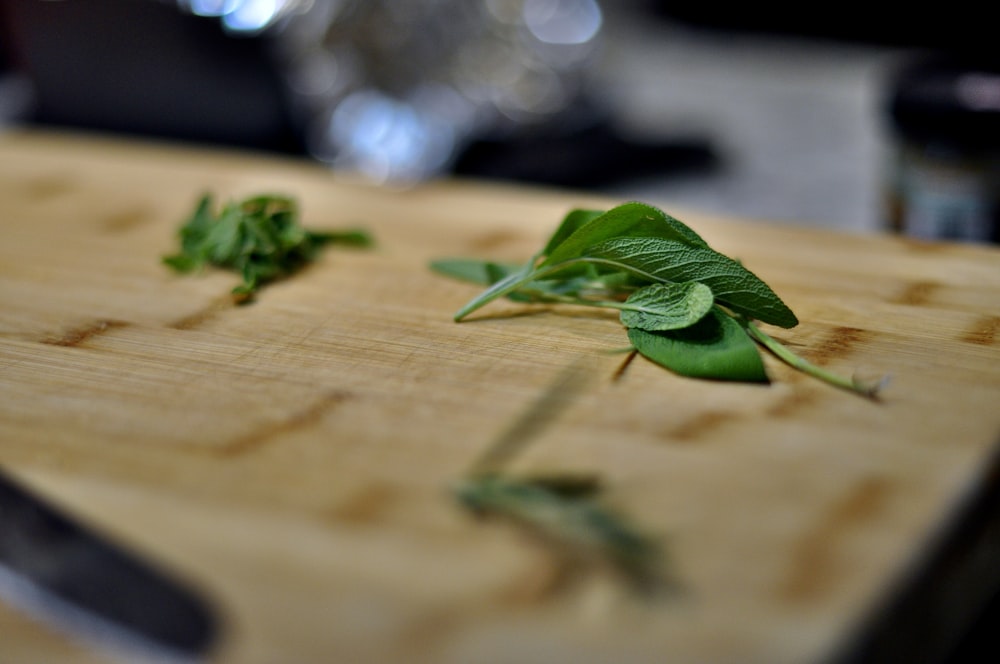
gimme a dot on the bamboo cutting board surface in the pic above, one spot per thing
(292, 458)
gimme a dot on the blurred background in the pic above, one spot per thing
(823, 116)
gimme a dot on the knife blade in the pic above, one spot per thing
(57, 569)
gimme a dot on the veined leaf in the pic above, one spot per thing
(626, 220)
(715, 347)
(570, 224)
(667, 306)
(731, 283)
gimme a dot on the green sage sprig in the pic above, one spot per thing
(259, 237)
(564, 510)
(685, 306)
(571, 518)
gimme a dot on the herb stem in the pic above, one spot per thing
(556, 398)
(853, 384)
(519, 279)
(543, 296)
(508, 284)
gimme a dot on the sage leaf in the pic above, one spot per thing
(627, 220)
(715, 347)
(503, 287)
(667, 260)
(486, 273)
(474, 270)
(667, 306)
(570, 224)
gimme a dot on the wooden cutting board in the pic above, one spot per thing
(293, 458)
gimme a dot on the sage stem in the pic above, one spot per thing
(863, 388)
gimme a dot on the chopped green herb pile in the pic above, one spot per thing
(686, 306)
(259, 237)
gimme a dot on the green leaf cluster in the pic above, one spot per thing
(686, 306)
(259, 237)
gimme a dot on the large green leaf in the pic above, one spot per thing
(626, 220)
(668, 260)
(667, 306)
(570, 224)
(715, 347)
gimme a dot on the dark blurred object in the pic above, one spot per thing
(981, 646)
(142, 67)
(967, 28)
(942, 107)
(945, 113)
(155, 68)
(395, 90)
(593, 156)
(60, 569)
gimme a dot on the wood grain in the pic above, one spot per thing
(293, 457)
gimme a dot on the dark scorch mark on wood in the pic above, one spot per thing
(488, 241)
(300, 419)
(366, 505)
(203, 315)
(792, 403)
(78, 335)
(700, 425)
(48, 187)
(838, 343)
(917, 293)
(125, 220)
(983, 332)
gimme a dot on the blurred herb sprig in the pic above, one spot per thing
(564, 510)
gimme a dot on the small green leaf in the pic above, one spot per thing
(667, 306)
(182, 263)
(667, 260)
(473, 270)
(570, 224)
(715, 347)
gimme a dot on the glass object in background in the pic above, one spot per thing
(395, 90)
(946, 176)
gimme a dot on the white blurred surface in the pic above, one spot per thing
(798, 123)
